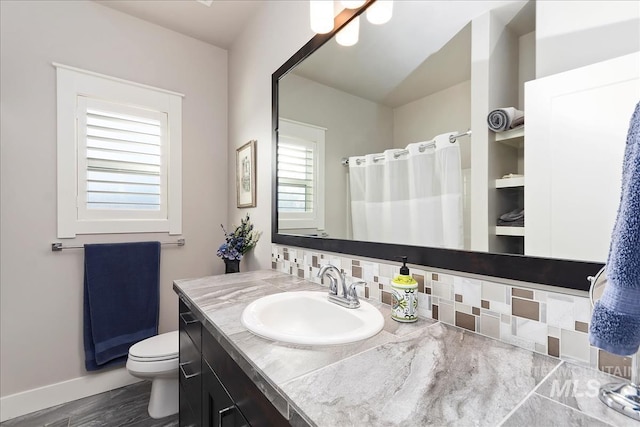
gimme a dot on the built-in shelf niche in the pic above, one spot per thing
(513, 137)
(515, 182)
(502, 230)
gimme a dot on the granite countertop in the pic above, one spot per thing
(410, 374)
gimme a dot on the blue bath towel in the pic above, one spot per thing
(615, 324)
(121, 300)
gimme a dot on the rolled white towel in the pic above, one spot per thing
(505, 118)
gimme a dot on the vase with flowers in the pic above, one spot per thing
(236, 244)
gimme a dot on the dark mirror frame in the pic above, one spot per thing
(548, 271)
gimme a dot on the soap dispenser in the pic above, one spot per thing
(404, 292)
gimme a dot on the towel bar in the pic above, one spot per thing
(57, 247)
(624, 396)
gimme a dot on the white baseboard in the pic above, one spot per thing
(25, 402)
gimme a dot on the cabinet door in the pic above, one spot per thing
(577, 123)
(218, 409)
(250, 400)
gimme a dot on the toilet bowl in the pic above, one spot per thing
(156, 359)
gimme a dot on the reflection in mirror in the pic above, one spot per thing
(439, 68)
(367, 105)
(300, 177)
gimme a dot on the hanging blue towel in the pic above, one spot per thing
(121, 300)
(615, 324)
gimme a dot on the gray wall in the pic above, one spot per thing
(41, 291)
(275, 33)
(448, 110)
(355, 126)
(572, 34)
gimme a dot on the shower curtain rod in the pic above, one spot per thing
(452, 138)
(57, 247)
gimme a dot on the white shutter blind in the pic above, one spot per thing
(295, 175)
(121, 167)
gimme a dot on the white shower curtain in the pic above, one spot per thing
(415, 199)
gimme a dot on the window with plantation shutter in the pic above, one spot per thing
(120, 165)
(119, 156)
(295, 175)
(300, 176)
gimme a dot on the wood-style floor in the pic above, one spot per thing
(126, 406)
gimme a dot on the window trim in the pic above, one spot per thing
(315, 134)
(73, 82)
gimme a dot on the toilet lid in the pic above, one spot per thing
(159, 347)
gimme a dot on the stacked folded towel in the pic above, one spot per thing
(506, 118)
(515, 218)
(615, 323)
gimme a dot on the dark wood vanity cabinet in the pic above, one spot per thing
(214, 391)
(190, 368)
(218, 409)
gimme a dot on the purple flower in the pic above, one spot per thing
(238, 242)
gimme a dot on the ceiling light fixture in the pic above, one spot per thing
(321, 16)
(380, 12)
(352, 4)
(206, 2)
(348, 36)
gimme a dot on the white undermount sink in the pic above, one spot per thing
(308, 318)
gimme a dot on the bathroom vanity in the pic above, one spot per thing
(214, 391)
(423, 373)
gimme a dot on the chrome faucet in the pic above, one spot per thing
(333, 284)
(349, 297)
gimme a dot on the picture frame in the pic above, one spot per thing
(246, 175)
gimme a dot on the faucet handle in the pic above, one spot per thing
(352, 294)
(333, 285)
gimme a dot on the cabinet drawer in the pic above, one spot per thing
(190, 379)
(190, 324)
(188, 417)
(189, 361)
(255, 407)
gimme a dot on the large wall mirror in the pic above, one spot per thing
(349, 120)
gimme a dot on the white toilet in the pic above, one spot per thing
(156, 359)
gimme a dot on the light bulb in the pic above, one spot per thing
(380, 12)
(348, 36)
(321, 16)
(352, 4)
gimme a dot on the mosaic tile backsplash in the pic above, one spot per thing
(546, 322)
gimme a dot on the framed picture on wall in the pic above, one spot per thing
(246, 175)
